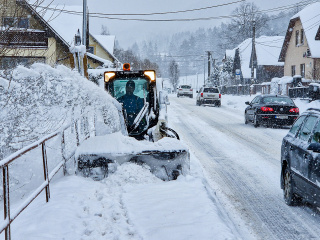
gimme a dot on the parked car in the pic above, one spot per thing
(271, 110)
(185, 90)
(208, 95)
(300, 160)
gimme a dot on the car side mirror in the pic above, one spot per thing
(247, 103)
(197, 91)
(314, 147)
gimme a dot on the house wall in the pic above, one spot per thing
(294, 54)
(98, 50)
(266, 73)
(93, 64)
(316, 70)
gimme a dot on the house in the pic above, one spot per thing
(265, 59)
(102, 46)
(300, 50)
(26, 36)
(101, 56)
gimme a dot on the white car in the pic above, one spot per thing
(209, 95)
(185, 90)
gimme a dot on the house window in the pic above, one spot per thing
(302, 70)
(23, 23)
(301, 37)
(15, 22)
(91, 50)
(297, 37)
(8, 22)
(293, 70)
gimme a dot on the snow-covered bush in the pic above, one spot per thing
(39, 100)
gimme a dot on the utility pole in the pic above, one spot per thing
(209, 62)
(253, 51)
(84, 23)
(204, 71)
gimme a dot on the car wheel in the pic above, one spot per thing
(178, 95)
(191, 96)
(289, 196)
(255, 121)
(245, 119)
(197, 103)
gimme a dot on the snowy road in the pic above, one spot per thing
(242, 164)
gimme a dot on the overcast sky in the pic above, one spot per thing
(128, 32)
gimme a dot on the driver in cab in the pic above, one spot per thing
(131, 103)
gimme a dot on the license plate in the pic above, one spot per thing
(210, 95)
(282, 117)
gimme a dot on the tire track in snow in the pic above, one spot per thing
(265, 210)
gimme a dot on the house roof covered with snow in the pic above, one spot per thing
(310, 18)
(230, 53)
(106, 41)
(65, 24)
(268, 49)
(267, 52)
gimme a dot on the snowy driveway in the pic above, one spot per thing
(243, 165)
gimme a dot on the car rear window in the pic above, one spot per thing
(278, 100)
(211, 90)
(185, 86)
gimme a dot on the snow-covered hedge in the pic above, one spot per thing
(38, 100)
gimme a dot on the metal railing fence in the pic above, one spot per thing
(80, 128)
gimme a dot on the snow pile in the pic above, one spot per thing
(118, 144)
(43, 99)
(129, 204)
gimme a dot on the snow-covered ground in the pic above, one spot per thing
(133, 204)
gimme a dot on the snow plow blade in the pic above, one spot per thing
(98, 156)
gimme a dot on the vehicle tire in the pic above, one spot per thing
(255, 121)
(191, 96)
(289, 196)
(245, 119)
(178, 95)
(198, 103)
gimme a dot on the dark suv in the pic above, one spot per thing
(300, 160)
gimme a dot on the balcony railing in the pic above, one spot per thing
(23, 39)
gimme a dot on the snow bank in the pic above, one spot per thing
(44, 100)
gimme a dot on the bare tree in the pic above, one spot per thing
(104, 30)
(174, 74)
(241, 26)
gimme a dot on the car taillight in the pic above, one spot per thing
(294, 110)
(191, 89)
(266, 109)
(202, 94)
(219, 95)
(180, 89)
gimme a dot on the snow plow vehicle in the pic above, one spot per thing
(147, 140)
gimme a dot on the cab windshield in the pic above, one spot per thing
(133, 94)
(141, 87)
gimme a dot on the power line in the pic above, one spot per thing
(103, 15)
(148, 14)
